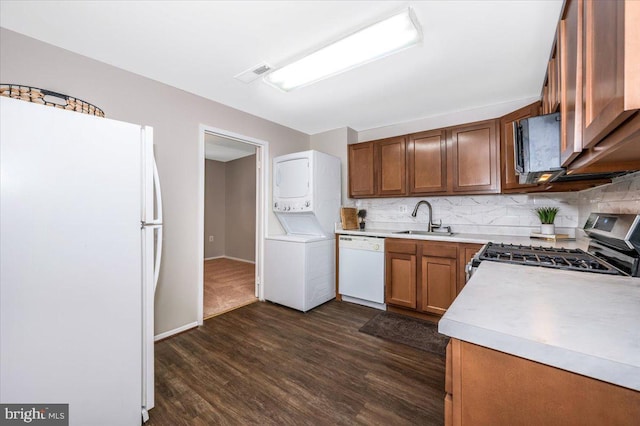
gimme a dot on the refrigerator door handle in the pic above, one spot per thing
(156, 266)
(158, 193)
(147, 175)
(152, 191)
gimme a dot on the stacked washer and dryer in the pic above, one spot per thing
(299, 267)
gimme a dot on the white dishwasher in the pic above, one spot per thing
(361, 270)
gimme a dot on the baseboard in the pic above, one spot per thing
(230, 258)
(175, 331)
(239, 260)
(214, 257)
(415, 314)
(380, 306)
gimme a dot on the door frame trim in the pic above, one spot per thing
(262, 180)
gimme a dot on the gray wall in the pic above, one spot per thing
(175, 116)
(230, 208)
(241, 208)
(214, 208)
(334, 142)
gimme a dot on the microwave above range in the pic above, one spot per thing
(537, 152)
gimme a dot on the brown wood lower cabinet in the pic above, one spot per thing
(400, 273)
(488, 387)
(438, 276)
(424, 277)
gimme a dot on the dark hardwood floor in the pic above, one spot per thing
(264, 364)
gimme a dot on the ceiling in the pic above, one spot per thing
(223, 149)
(474, 53)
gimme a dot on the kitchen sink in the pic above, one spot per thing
(446, 232)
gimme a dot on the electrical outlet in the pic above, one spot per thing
(210, 238)
(403, 208)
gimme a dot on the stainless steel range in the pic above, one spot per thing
(614, 249)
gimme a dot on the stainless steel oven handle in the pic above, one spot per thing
(468, 269)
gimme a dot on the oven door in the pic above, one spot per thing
(627, 264)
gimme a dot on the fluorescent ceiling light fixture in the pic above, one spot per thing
(374, 42)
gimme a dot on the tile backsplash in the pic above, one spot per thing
(481, 214)
(621, 196)
(505, 214)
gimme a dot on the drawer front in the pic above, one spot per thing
(400, 246)
(434, 249)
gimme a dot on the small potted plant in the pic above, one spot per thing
(547, 216)
(361, 215)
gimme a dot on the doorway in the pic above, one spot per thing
(231, 222)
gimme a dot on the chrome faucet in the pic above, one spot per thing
(430, 224)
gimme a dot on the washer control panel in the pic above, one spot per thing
(293, 206)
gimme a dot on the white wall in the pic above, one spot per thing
(176, 116)
(438, 121)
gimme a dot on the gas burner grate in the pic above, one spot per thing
(550, 257)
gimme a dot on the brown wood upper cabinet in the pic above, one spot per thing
(570, 38)
(600, 85)
(390, 165)
(457, 160)
(611, 66)
(361, 173)
(510, 182)
(551, 88)
(474, 156)
(427, 162)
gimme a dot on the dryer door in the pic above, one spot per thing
(291, 179)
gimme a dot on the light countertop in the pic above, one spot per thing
(470, 238)
(582, 322)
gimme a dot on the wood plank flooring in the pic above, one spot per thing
(228, 284)
(265, 364)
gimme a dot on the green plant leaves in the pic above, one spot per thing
(547, 215)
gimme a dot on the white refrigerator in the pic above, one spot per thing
(80, 248)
